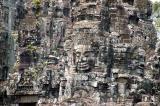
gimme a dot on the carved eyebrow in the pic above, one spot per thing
(87, 52)
(78, 53)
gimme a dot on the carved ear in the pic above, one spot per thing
(158, 51)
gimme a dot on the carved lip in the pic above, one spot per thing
(83, 66)
(83, 69)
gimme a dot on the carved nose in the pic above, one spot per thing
(83, 59)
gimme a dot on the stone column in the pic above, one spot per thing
(121, 89)
(61, 90)
(68, 88)
(122, 80)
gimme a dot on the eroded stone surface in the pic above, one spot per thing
(82, 53)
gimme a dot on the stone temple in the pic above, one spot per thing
(78, 53)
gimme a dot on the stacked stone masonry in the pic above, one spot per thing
(79, 53)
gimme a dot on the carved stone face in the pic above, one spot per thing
(103, 54)
(138, 62)
(84, 58)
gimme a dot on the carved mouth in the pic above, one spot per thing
(83, 66)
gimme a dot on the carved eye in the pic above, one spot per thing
(156, 66)
(86, 54)
(78, 54)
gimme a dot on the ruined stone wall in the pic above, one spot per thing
(85, 52)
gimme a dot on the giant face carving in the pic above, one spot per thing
(84, 58)
(103, 54)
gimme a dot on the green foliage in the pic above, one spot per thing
(31, 48)
(156, 6)
(157, 24)
(156, 14)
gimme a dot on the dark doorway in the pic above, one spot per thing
(27, 104)
(131, 2)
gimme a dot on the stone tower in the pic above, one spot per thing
(84, 53)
